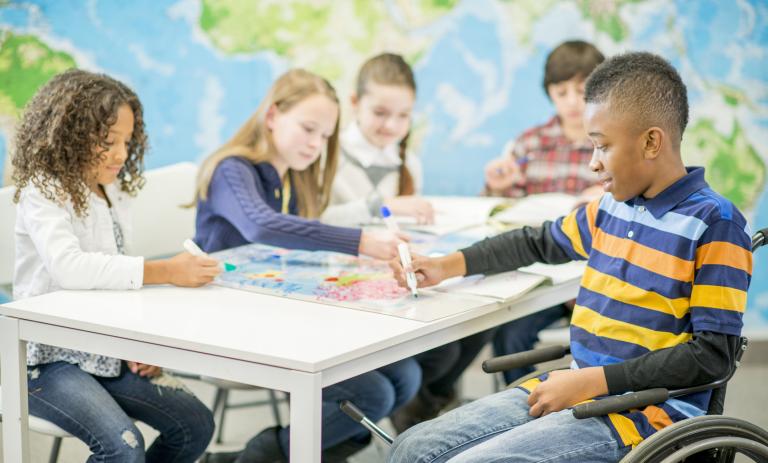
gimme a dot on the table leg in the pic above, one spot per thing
(306, 416)
(13, 369)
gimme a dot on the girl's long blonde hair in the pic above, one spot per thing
(253, 141)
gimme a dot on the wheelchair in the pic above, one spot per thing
(711, 438)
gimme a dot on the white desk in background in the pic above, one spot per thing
(273, 342)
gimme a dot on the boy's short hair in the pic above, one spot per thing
(644, 85)
(574, 58)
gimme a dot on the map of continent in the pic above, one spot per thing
(201, 67)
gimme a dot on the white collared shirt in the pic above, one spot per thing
(354, 143)
(355, 197)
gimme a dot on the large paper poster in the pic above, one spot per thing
(332, 278)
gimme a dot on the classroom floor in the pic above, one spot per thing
(747, 395)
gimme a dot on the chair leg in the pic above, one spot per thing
(273, 402)
(219, 409)
(55, 447)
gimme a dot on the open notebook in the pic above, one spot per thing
(453, 213)
(535, 209)
(509, 286)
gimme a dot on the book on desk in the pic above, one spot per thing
(535, 209)
(457, 213)
(509, 286)
(453, 214)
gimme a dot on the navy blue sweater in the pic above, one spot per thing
(243, 206)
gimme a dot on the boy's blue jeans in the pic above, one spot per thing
(498, 428)
(377, 393)
(99, 412)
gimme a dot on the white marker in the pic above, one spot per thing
(402, 250)
(192, 248)
(195, 250)
(410, 276)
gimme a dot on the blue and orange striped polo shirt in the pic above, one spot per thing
(658, 271)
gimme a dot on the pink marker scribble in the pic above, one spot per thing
(380, 288)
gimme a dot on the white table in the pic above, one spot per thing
(278, 343)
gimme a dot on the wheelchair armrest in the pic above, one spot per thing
(522, 359)
(620, 403)
(759, 239)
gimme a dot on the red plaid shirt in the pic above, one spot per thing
(554, 163)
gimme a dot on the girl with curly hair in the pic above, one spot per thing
(78, 159)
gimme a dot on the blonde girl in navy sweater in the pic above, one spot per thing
(266, 185)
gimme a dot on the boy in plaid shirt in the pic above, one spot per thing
(553, 157)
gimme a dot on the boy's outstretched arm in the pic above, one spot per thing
(508, 251)
(514, 249)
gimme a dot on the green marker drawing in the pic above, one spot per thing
(229, 267)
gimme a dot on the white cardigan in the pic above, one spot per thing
(56, 249)
(355, 199)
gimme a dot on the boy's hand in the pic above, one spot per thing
(413, 206)
(192, 271)
(565, 388)
(502, 173)
(142, 369)
(429, 270)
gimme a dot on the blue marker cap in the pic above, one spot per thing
(385, 212)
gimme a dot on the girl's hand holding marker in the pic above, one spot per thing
(195, 250)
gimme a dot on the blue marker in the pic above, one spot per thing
(521, 161)
(389, 221)
(402, 251)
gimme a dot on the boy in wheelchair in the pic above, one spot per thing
(660, 303)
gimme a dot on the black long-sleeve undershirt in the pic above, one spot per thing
(707, 357)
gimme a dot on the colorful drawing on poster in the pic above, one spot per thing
(319, 275)
(355, 282)
(358, 287)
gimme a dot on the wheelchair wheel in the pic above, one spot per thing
(710, 438)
